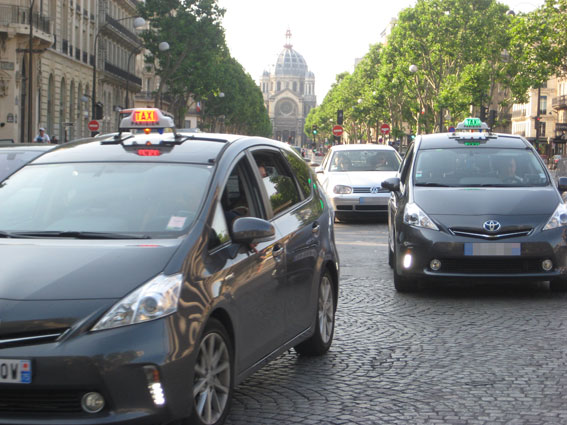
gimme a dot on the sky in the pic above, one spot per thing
(329, 34)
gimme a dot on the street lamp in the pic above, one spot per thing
(138, 23)
(163, 46)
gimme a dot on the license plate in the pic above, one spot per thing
(15, 371)
(493, 249)
(368, 200)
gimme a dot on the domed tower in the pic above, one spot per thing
(289, 94)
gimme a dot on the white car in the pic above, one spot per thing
(352, 175)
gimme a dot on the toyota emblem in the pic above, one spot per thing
(375, 189)
(491, 226)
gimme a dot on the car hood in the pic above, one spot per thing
(359, 178)
(78, 270)
(487, 201)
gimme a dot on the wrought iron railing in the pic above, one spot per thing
(113, 69)
(10, 14)
(559, 102)
(122, 29)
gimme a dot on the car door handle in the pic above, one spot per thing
(277, 250)
(315, 229)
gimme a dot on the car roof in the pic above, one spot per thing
(361, 146)
(39, 147)
(201, 148)
(454, 140)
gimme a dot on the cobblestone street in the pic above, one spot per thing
(443, 355)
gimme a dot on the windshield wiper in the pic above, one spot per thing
(76, 235)
(431, 184)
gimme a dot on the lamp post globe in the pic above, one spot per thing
(413, 68)
(139, 22)
(163, 46)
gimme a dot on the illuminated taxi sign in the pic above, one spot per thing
(145, 118)
(472, 124)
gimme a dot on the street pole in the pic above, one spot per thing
(30, 74)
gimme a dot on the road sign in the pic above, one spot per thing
(451, 129)
(385, 128)
(93, 125)
(337, 131)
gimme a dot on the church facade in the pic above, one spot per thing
(289, 94)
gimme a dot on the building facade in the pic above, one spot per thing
(289, 94)
(66, 66)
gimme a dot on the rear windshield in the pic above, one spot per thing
(365, 160)
(12, 159)
(139, 199)
(470, 167)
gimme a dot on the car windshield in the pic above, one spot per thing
(13, 159)
(484, 167)
(364, 160)
(131, 199)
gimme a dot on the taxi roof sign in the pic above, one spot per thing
(473, 124)
(145, 118)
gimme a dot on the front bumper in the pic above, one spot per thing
(459, 262)
(110, 362)
(360, 203)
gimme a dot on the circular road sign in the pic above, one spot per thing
(93, 125)
(451, 129)
(337, 130)
(385, 128)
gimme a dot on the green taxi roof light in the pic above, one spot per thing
(473, 124)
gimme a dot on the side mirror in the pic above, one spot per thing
(562, 184)
(319, 170)
(249, 230)
(392, 184)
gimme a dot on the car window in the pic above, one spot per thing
(301, 171)
(11, 160)
(278, 181)
(478, 167)
(219, 234)
(406, 165)
(365, 160)
(144, 199)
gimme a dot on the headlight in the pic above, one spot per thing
(414, 216)
(153, 300)
(558, 218)
(342, 190)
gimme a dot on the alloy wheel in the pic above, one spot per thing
(326, 310)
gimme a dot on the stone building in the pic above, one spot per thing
(65, 34)
(289, 94)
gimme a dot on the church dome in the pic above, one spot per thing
(290, 62)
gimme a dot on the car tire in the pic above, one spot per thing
(558, 285)
(213, 376)
(320, 342)
(391, 260)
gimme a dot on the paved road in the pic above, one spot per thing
(444, 355)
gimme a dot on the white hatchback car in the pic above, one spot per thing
(352, 175)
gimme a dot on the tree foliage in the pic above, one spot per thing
(198, 66)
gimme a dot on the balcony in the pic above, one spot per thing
(122, 31)
(518, 114)
(113, 69)
(559, 102)
(561, 126)
(19, 18)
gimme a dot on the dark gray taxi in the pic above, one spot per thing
(146, 274)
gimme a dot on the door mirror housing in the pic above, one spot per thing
(562, 184)
(251, 230)
(392, 184)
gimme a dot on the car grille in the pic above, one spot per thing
(40, 401)
(367, 190)
(21, 339)
(371, 207)
(474, 233)
(486, 265)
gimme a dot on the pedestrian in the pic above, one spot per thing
(54, 140)
(42, 137)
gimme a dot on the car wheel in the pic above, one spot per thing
(558, 285)
(319, 343)
(213, 376)
(391, 260)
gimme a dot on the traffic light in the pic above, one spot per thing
(483, 113)
(314, 130)
(98, 111)
(340, 117)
